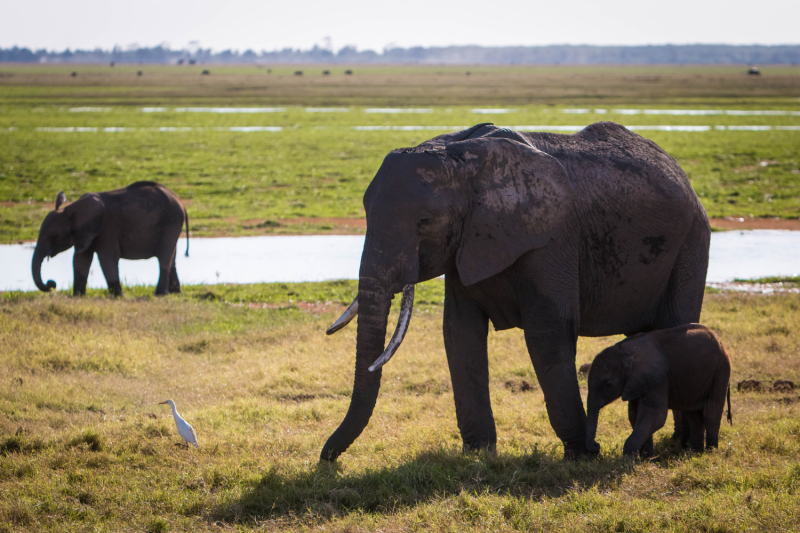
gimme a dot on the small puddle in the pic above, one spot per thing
(493, 111)
(230, 109)
(397, 110)
(327, 109)
(734, 254)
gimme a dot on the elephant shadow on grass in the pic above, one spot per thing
(323, 492)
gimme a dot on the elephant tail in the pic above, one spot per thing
(186, 218)
(730, 416)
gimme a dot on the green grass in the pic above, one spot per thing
(84, 445)
(789, 280)
(310, 177)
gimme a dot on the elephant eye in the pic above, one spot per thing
(423, 221)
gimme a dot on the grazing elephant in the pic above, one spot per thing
(685, 368)
(593, 234)
(138, 222)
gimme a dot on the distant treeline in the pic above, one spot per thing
(452, 55)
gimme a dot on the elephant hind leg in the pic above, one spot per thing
(166, 265)
(682, 428)
(165, 252)
(697, 430)
(174, 283)
(683, 298)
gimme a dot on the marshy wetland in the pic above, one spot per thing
(84, 445)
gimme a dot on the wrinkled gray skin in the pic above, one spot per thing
(596, 233)
(685, 369)
(142, 220)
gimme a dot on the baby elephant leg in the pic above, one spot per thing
(646, 449)
(712, 418)
(697, 430)
(651, 414)
(686, 429)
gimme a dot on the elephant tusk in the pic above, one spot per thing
(406, 306)
(348, 315)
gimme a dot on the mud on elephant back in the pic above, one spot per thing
(140, 221)
(596, 233)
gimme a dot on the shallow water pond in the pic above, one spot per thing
(734, 254)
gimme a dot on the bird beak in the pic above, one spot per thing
(162, 403)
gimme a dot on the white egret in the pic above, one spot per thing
(185, 430)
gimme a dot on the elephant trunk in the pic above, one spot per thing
(374, 301)
(36, 267)
(592, 414)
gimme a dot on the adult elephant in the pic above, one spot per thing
(596, 233)
(140, 221)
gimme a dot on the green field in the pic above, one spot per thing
(310, 176)
(85, 447)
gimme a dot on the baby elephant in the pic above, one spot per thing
(685, 369)
(140, 221)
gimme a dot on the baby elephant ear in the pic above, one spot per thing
(649, 366)
(520, 200)
(86, 220)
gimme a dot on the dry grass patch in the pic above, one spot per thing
(84, 445)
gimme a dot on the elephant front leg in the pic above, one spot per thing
(647, 449)
(81, 263)
(650, 416)
(465, 329)
(552, 343)
(110, 265)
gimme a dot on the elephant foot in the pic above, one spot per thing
(479, 446)
(576, 453)
(175, 289)
(115, 289)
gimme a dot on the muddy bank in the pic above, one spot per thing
(743, 223)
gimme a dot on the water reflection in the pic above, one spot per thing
(734, 254)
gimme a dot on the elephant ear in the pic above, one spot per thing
(648, 366)
(520, 200)
(86, 220)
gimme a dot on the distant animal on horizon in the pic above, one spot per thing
(593, 234)
(685, 368)
(139, 221)
(185, 430)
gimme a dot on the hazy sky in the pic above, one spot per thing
(373, 24)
